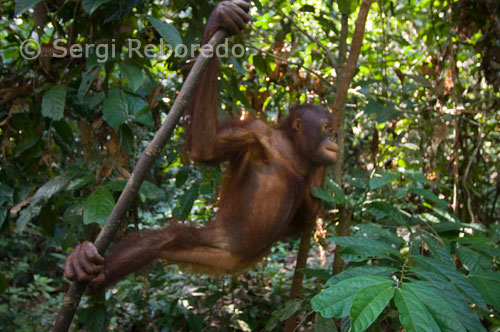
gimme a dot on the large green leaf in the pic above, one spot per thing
(448, 291)
(456, 277)
(488, 284)
(91, 5)
(186, 202)
(438, 308)
(384, 209)
(322, 194)
(98, 206)
(3, 216)
(87, 79)
(42, 195)
(412, 313)
(438, 251)
(324, 324)
(378, 180)
(23, 5)
(132, 75)
(365, 246)
(167, 31)
(139, 109)
(336, 300)
(472, 260)
(428, 195)
(369, 303)
(361, 271)
(338, 193)
(114, 110)
(53, 102)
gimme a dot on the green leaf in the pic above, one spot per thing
(324, 324)
(321, 274)
(87, 79)
(456, 299)
(437, 307)
(472, 260)
(181, 177)
(98, 206)
(139, 109)
(291, 307)
(338, 193)
(167, 31)
(132, 75)
(116, 185)
(412, 313)
(95, 99)
(49, 189)
(53, 102)
(42, 195)
(366, 246)
(23, 5)
(428, 195)
(383, 209)
(80, 182)
(456, 277)
(336, 300)
(380, 233)
(369, 303)
(361, 271)
(347, 7)
(438, 251)
(322, 194)
(91, 5)
(489, 289)
(114, 110)
(186, 202)
(151, 191)
(379, 180)
(6, 195)
(3, 216)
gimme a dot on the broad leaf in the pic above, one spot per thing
(365, 246)
(98, 206)
(361, 271)
(456, 277)
(87, 79)
(412, 313)
(336, 300)
(429, 195)
(380, 180)
(186, 202)
(472, 260)
(42, 195)
(139, 109)
(167, 31)
(324, 324)
(322, 194)
(488, 287)
(383, 209)
(338, 193)
(132, 75)
(438, 308)
(91, 5)
(23, 5)
(369, 303)
(53, 102)
(455, 298)
(114, 110)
